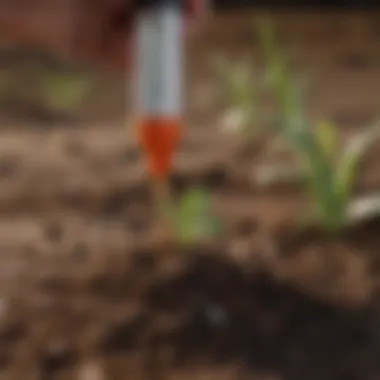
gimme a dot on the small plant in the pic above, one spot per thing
(64, 92)
(34, 78)
(192, 217)
(242, 92)
(287, 90)
(330, 167)
(62, 86)
(247, 116)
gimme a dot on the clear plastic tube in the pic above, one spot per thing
(159, 60)
(159, 82)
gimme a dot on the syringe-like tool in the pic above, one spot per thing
(159, 77)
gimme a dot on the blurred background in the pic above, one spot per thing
(86, 292)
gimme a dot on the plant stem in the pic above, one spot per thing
(163, 201)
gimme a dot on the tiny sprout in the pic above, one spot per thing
(193, 218)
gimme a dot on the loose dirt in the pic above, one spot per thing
(85, 293)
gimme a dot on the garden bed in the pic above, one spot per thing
(87, 292)
(85, 283)
(293, 307)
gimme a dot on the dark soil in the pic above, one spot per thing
(87, 293)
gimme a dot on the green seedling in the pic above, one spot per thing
(193, 220)
(330, 168)
(287, 90)
(63, 91)
(34, 77)
(241, 89)
(246, 115)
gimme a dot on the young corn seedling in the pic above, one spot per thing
(61, 86)
(241, 90)
(193, 219)
(330, 168)
(38, 79)
(246, 116)
(64, 92)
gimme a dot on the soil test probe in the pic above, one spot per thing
(159, 89)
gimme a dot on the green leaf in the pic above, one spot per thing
(330, 177)
(288, 92)
(321, 186)
(241, 90)
(328, 138)
(193, 218)
(240, 85)
(350, 160)
(65, 92)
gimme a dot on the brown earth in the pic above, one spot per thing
(86, 293)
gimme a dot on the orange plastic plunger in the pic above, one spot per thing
(159, 137)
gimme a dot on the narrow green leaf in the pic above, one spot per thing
(350, 160)
(65, 92)
(321, 186)
(288, 92)
(194, 220)
(328, 138)
(313, 148)
(242, 91)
